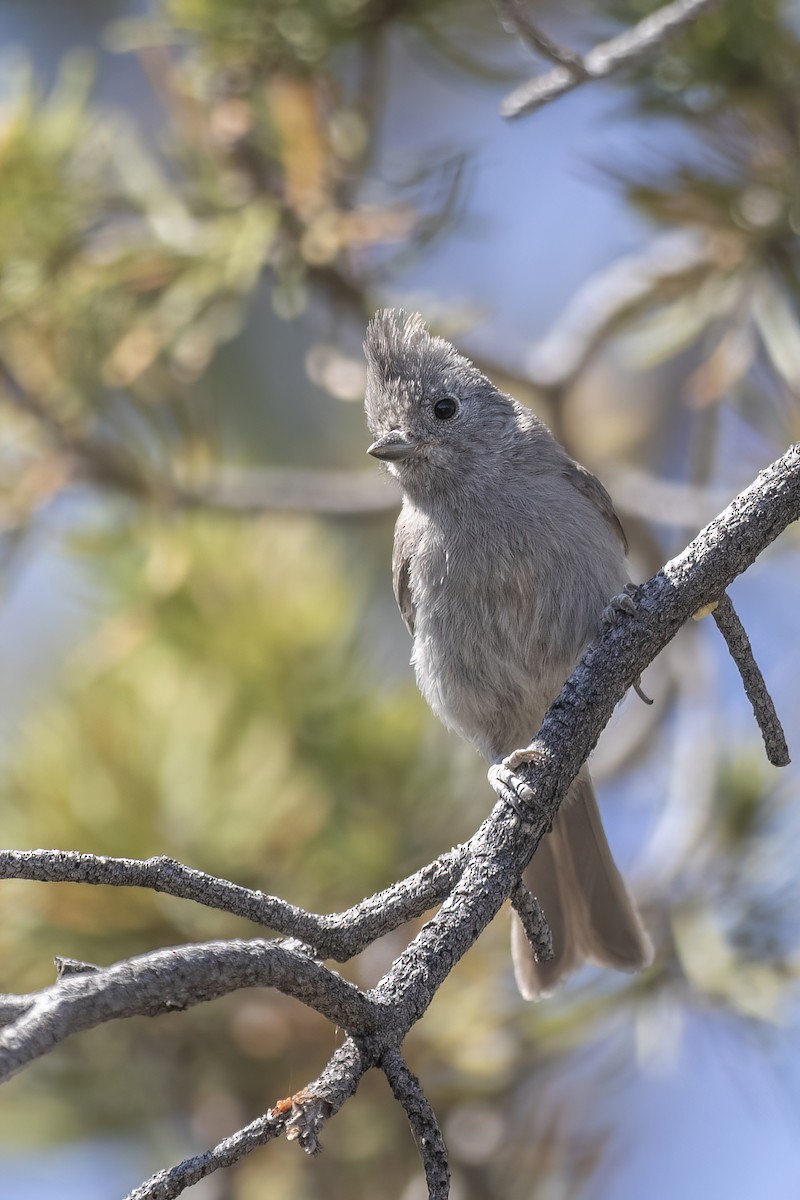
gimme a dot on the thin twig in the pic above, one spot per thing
(172, 1181)
(534, 922)
(515, 18)
(605, 59)
(407, 1091)
(301, 1116)
(74, 966)
(738, 643)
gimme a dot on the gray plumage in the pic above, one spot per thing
(506, 553)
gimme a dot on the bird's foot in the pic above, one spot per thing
(511, 788)
(624, 603)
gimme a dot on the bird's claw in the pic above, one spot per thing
(623, 603)
(514, 790)
(521, 758)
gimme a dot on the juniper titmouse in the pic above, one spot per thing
(506, 554)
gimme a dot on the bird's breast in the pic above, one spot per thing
(492, 641)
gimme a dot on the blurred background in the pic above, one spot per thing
(201, 203)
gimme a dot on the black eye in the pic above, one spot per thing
(445, 408)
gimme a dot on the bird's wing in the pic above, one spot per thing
(401, 570)
(591, 487)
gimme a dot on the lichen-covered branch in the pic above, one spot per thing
(300, 1117)
(407, 1091)
(533, 921)
(171, 980)
(504, 845)
(339, 936)
(474, 879)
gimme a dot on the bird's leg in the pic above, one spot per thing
(624, 603)
(514, 790)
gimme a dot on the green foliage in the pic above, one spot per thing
(730, 79)
(222, 712)
(223, 717)
(125, 265)
(736, 53)
(113, 293)
(274, 36)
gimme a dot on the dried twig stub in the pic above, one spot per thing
(738, 643)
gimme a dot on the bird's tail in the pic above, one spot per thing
(591, 914)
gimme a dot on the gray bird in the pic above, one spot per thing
(506, 555)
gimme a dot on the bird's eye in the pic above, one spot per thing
(445, 408)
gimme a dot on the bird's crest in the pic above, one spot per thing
(398, 345)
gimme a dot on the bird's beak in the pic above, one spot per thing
(392, 446)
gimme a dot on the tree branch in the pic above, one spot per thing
(738, 643)
(476, 878)
(603, 60)
(515, 18)
(300, 1116)
(339, 936)
(174, 979)
(172, 1181)
(504, 845)
(408, 1092)
(13, 1006)
(533, 921)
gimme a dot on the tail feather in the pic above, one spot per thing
(591, 914)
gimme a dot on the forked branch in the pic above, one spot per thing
(603, 60)
(473, 881)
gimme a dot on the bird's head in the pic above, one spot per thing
(433, 415)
